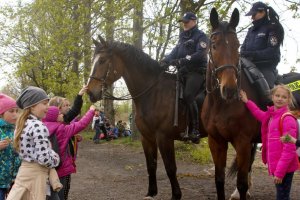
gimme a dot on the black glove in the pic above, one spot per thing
(164, 63)
(175, 62)
(179, 62)
(248, 54)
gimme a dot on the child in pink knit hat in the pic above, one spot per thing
(9, 160)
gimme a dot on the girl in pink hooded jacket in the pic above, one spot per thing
(55, 124)
(281, 158)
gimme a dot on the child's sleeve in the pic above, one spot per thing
(16, 165)
(44, 154)
(255, 110)
(76, 127)
(289, 149)
(75, 109)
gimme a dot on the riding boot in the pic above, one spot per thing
(193, 133)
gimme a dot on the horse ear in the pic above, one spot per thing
(103, 42)
(214, 18)
(235, 18)
(96, 42)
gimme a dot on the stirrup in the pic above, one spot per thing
(194, 136)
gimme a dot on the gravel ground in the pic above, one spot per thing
(111, 172)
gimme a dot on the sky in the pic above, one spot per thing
(290, 51)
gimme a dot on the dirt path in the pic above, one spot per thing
(115, 172)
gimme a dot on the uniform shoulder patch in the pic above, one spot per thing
(203, 44)
(273, 40)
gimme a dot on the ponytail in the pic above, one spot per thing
(274, 19)
(20, 126)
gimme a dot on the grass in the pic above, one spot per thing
(199, 153)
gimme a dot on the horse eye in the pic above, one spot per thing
(214, 46)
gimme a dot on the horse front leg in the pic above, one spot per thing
(243, 151)
(218, 150)
(166, 148)
(150, 151)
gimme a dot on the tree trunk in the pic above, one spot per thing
(138, 43)
(87, 52)
(109, 32)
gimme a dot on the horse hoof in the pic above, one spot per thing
(148, 198)
(236, 195)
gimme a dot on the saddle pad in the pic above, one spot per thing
(293, 81)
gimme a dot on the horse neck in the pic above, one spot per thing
(138, 75)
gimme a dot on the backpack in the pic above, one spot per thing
(55, 146)
(298, 127)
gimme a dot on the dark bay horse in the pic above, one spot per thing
(153, 93)
(224, 115)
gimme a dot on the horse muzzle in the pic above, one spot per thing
(229, 93)
(94, 97)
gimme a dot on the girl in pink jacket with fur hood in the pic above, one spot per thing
(54, 123)
(281, 158)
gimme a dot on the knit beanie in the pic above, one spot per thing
(52, 114)
(31, 96)
(6, 103)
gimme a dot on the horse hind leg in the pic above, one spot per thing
(166, 147)
(150, 151)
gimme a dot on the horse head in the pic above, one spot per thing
(224, 65)
(105, 70)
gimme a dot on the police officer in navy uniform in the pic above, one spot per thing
(262, 43)
(190, 58)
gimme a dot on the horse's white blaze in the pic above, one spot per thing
(93, 66)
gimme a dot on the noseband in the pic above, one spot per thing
(218, 69)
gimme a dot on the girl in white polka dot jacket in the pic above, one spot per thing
(32, 143)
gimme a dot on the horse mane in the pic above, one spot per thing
(135, 56)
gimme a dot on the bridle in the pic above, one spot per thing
(107, 95)
(217, 69)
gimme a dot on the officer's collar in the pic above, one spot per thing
(258, 23)
(189, 32)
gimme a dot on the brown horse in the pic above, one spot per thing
(153, 93)
(224, 115)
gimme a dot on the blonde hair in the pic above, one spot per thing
(57, 101)
(20, 126)
(290, 94)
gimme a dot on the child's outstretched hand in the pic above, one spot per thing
(83, 90)
(92, 107)
(288, 138)
(243, 96)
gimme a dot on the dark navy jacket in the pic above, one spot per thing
(261, 44)
(192, 45)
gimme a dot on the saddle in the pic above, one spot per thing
(255, 77)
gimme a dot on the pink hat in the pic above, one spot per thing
(52, 114)
(6, 103)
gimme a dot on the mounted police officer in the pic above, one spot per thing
(262, 46)
(190, 58)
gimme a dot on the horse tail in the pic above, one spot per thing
(234, 168)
